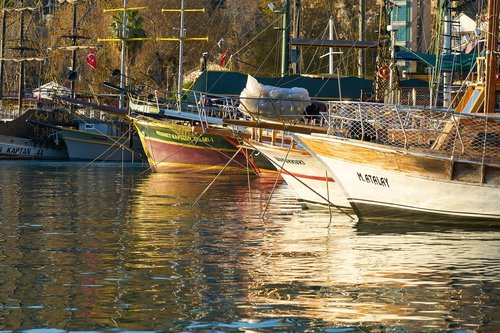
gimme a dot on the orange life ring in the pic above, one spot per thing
(384, 72)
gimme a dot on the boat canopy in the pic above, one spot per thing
(51, 89)
(225, 83)
(231, 84)
(457, 62)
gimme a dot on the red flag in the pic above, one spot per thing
(223, 58)
(91, 59)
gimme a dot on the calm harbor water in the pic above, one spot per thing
(109, 248)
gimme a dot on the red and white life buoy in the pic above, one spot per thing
(498, 76)
(384, 72)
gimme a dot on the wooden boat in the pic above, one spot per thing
(20, 139)
(420, 165)
(307, 178)
(84, 135)
(187, 141)
(425, 183)
(13, 147)
(173, 145)
(93, 140)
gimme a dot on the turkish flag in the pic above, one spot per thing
(91, 59)
(223, 58)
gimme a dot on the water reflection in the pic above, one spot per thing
(361, 273)
(109, 247)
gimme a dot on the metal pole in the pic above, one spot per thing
(285, 58)
(295, 27)
(124, 53)
(340, 86)
(181, 46)
(330, 50)
(393, 65)
(361, 37)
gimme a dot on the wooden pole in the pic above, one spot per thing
(491, 58)
(124, 54)
(2, 47)
(73, 53)
(21, 64)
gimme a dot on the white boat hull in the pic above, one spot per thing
(21, 148)
(308, 179)
(390, 192)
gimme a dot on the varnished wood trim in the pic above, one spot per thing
(388, 159)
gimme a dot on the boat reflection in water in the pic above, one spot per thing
(299, 264)
(114, 247)
(369, 274)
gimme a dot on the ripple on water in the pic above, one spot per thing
(105, 249)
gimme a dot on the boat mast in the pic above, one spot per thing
(123, 39)
(361, 37)
(491, 56)
(124, 54)
(285, 39)
(73, 53)
(447, 50)
(182, 37)
(330, 50)
(2, 47)
(21, 64)
(295, 64)
(74, 47)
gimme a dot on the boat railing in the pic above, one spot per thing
(209, 106)
(453, 135)
(152, 104)
(286, 111)
(456, 136)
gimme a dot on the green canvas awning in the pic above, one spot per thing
(233, 83)
(460, 62)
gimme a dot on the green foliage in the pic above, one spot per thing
(134, 30)
(217, 3)
(7, 3)
(250, 35)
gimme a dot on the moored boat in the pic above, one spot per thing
(21, 139)
(414, 164)
(100, 141)
(421, 164)
(182, 146)
(309, 180)
(12, 147)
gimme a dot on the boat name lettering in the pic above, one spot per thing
(280, 159)
(370, 179)
(17, 151)
(184, 137)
